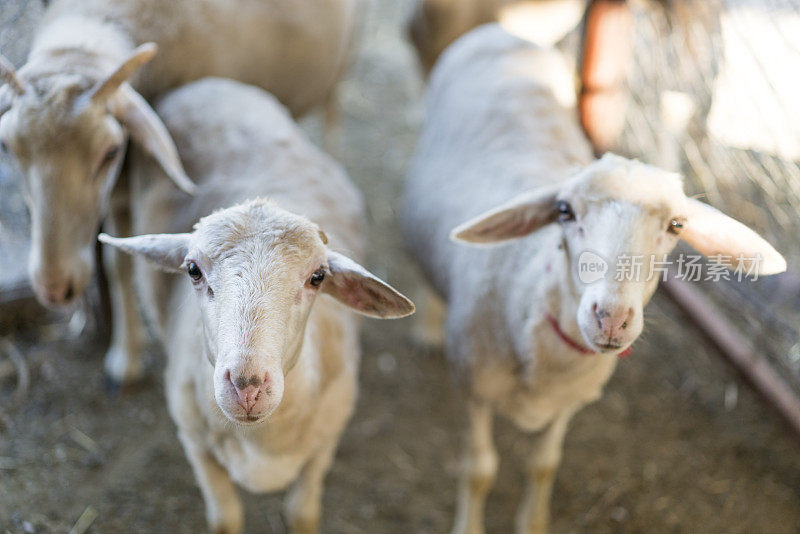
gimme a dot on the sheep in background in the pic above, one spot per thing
(502, 148)
(67, 114)
(437, 23)
(256, 302)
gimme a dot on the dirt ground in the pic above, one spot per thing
(677, 444)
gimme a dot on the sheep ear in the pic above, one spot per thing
(517, 218)
(135, 113)
(150, 133)
(165, 250)
(712, 233)
(105, 89)
(13, 86)
(6, 98)
(9, 75)
(357, 288)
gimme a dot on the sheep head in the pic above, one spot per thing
(68, 134)
(613, 215)
(257, 271)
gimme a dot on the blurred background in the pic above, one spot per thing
(677, 443)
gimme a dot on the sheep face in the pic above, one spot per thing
(257, 271)
(258, 278)
(619, 220)
(69, 151)
(623, 217)
(68, 135)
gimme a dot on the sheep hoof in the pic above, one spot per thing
(123, 368)
(112, 387)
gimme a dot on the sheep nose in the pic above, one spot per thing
(612, 321)
(59, 293)
(248, 389)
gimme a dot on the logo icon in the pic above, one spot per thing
(591, 267)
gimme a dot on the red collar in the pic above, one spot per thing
(574, 345)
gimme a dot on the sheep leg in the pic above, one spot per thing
(123, 360)
(534, 512)
(303, 504)
(478, 471)
(224, 511)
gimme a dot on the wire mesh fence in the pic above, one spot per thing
(17, 20)
(714, 88)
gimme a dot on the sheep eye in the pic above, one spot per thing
(194, 271)
(675, 226)
(108, 158)
(565, 212)
(3, 147)
(317, 278)
(110, 155)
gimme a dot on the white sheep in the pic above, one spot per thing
(435, 24)
(502, 149)
(67, 114)
(254, 298)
